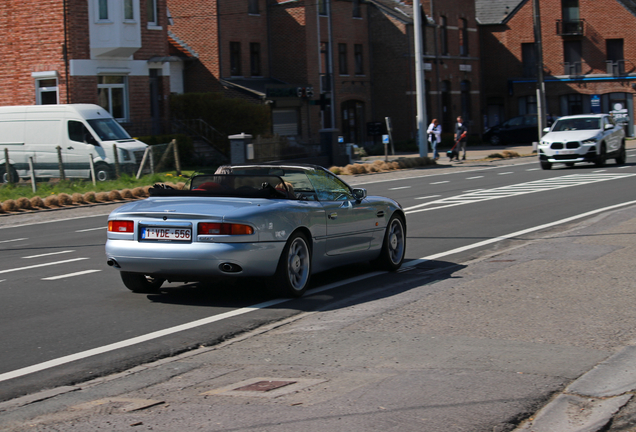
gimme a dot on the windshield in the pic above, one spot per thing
(581, 123)
(108, 129)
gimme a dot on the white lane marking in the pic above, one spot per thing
(514, 190)
(516, 234)
(198, 323)
(427, 197)
(79, 273)
(473, 178)
(599, 171)
(2, 280)
(473, 190)
(533, 169)
(48, 254)
(13, 240)
(91, 229)
(401, 187)
(505, 173)
(441, 182)
(623, 167)
(42, 265)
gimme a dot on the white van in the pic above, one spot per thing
(83, 131)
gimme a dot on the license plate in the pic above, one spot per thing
(565, 152)
(174, 234)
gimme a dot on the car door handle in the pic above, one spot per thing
(333, 216)
(380, 214)
(70, 148)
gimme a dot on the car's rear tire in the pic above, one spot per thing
(393, 246)
(602, 157)
(569, 164)
(546, 165)
(141, 283)
(622, 155)
(294, 267)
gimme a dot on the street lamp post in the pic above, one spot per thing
(419, 80)
(541, 108)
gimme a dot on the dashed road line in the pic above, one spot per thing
(48, 254)
(427, 197)
(13, 240)
(91, 229)
(42, 265)
(79, 273)
(440, 182)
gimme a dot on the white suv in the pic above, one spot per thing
(583, 138)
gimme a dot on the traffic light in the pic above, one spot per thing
(305, 92)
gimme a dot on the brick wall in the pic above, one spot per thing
(197, 24)
(603, 19)
(31, 39)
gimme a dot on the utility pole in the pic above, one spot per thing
(419, 80)
(541, 108)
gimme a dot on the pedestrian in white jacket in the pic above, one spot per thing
(434, 132)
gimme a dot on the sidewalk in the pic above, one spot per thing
(461, 348)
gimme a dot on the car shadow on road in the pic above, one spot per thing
(345, 285)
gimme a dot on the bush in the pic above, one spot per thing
(78, 198)
(64, 199)
(9, 205)
(51, 200)
(336, 170)
(36, 201)
(114, 195)
(102, 197)
(126, 194)
(139, 192)
(90, 197)
(23, 203)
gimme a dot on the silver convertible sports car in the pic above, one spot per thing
(284, 222)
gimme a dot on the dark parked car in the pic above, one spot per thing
(517, 130)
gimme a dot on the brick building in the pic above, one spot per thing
(267, 50)
(108, 52)
(451, 63)
(589, 57)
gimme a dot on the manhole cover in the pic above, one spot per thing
(265, 386)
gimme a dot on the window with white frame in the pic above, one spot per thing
(46, 91)
(152, 13)
(112, 95)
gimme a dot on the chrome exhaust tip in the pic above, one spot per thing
(111, 262)
(230, 268)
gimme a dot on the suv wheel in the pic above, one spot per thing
(622, 155)
(602, 156)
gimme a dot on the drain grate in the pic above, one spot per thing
(265, 386)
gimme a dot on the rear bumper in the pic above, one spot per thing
(194, 259)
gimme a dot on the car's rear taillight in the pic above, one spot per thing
(224, 229)
(121, 226)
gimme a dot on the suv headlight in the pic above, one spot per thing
(589, 141)
(125, 155)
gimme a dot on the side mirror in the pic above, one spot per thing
(546, 130)
(359, 194)
(609, 126)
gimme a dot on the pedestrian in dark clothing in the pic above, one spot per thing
(461, 136)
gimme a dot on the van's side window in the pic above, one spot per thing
(78, 132)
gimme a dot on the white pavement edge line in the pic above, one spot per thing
(187, 326)
(516, 234)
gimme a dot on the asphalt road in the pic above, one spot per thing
(59, 299)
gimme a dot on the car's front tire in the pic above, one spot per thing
(141, 283)
(4, 175)
(495, 140)
(294, 267)
(103, 172)
(393, 246)
(622, 155)
(602, 157)
(546, 165)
